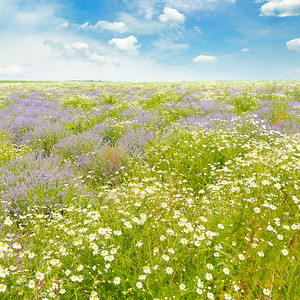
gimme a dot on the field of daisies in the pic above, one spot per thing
(184, 190)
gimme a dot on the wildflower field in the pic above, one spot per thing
(150, 190)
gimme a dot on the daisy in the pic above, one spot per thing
(182, 286)
(74, 278)
(2, 288)
(117, 280)
(165, 257)
(257, 210)
(31, 255)
(210, 295)
(208, 276)
(31, 284)
(8, 221)
(284, 252)
(261, 254)
(147, 270)
(39, 275)
(142, 277)
(197, 243)
(113, 251)
(17, 246)
(3, 247)
(241, 256)
(139, 285)
(200, 284)
(267, 292)
(169, 270)
(4, 272)
(139, 244)
(183, 241)
(226, 271)
(62, 291)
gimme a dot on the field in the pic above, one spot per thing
(184, 190)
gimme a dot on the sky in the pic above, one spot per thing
(150, 40)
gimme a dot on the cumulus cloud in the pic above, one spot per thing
(119, 27)
(172, 15)
(280, 8)
(11, 70)
(128, 44)
(293, 45)
(204, 59)
(77, 50)
(115, 26)
(245, 50)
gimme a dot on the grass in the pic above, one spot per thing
(204, 206)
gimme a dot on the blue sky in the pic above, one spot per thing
(143, 40)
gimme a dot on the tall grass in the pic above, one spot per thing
(150, 191)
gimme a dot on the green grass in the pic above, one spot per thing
(199, 213)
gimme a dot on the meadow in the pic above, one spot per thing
(181, 190)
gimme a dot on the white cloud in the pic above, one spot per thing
(186, 6)
(78, 51)
(140, 25)
(189, 6)
(64, 25)
(127, 44)
(280, 8)
(149, 13)
(198, 30)
(98, 59)
(85, 25)
(115, 26)
(245, 50)
(172, 15)
(119, 27)
(293, 45)
(22, 16)
(164, 45)
(80, 46)
(204, 59)
(11, 70)
(64, 48)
